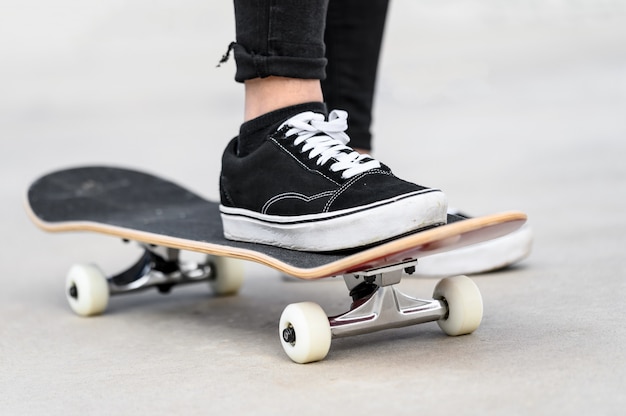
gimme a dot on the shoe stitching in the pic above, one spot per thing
(349, 183)
(293, 195)
(302, 164)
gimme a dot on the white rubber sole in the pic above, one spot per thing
(479, 258)
(338, 230)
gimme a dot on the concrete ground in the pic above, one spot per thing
(504, 105)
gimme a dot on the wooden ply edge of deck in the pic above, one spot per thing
(330, 269)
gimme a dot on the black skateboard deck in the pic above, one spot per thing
(138, 206)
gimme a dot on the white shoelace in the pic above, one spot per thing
(327, 140)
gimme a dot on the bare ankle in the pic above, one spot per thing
(272, 93)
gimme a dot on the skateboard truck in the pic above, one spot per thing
(159, 267)
(88, 288)
(378, 305)
(383, 306)
(306, 332)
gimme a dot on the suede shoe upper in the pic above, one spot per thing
(302, 166)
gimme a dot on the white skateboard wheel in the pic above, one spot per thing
(465, 305)
(304, 332)
(227, 275)
(87, 290)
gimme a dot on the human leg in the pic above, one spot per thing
(263, 95)
(353, 38)
(279, 53)
(289, 179)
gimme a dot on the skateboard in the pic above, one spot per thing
(164, 218)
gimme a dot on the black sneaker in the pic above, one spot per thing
(295, 184)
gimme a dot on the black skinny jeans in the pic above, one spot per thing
(336, 41)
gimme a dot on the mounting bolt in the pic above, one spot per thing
(289, 335)
(73, 292)
(410, 270)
